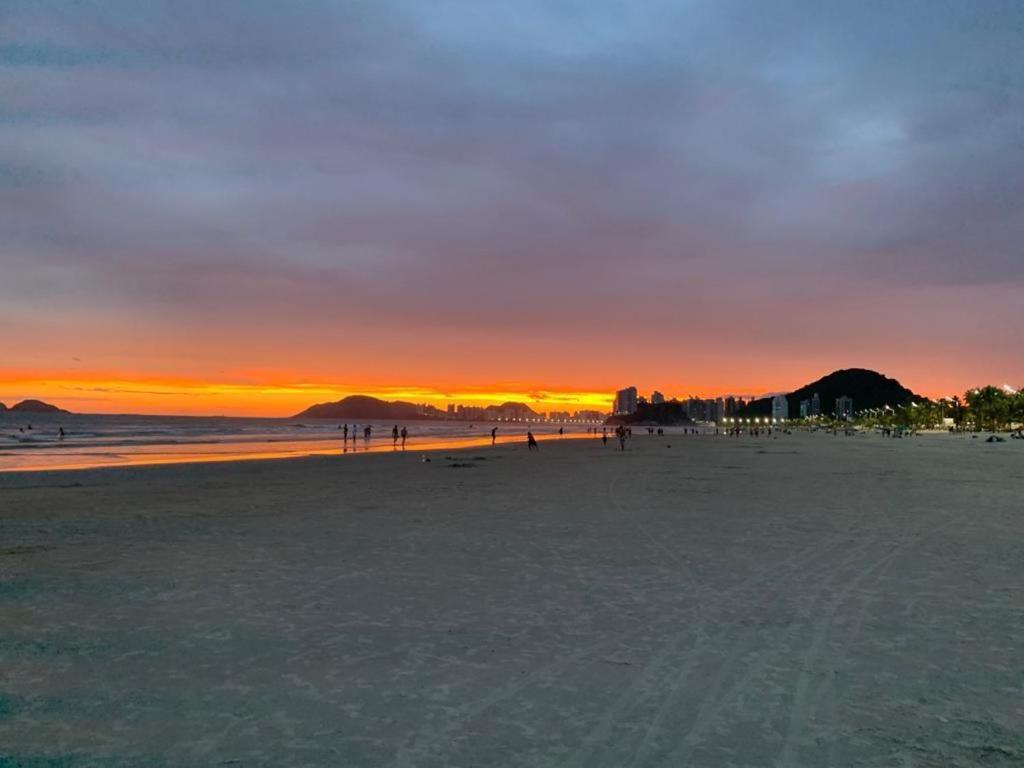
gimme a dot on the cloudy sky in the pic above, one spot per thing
(233, 206)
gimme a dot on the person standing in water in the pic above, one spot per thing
(494, 435)
(394, 436)
(531, 442)
(345, 433)
(405, 434)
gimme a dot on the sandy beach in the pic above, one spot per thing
(804, 600)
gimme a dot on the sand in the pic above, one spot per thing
(803, 601)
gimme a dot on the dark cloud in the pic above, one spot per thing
(472, 158)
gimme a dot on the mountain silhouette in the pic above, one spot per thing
(868, 389)
(374, 409)
(370, 408)
(34, 406)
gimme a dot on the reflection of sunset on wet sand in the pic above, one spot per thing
(64, 457)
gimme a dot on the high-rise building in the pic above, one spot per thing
(730, 406)
(657, 398)
(695, 408)
(844, 407)
(711, 410)
(470, 413)
(625, 402)
(815, 405)
(780, 408)
(805, 409)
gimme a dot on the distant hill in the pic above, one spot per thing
(2, 407)
(663, 414)
(366, 407)
(371, 408)
(869, 389)
(35, 406)
(510, 410)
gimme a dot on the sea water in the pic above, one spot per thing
(30, 441)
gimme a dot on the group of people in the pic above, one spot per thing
(28, 428)
(367, 432)
(622, 433)
(396, 434)
(752, 431)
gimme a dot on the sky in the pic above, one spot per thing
(246, 207)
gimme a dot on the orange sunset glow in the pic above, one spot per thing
(276, 396)
(145, 396)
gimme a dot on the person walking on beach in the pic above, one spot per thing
(561, 431)
(367, 431)
(60, 433)
(621, 432)
(494, 435)
(394, 436)
(405, 434)
(531, 442)
(345, 434)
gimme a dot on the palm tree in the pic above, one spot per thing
(1017, 411)
(989, 406)
(957, 412)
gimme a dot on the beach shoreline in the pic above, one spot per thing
(69, 456)
(794, 600)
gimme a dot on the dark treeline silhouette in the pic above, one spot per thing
(672, 413)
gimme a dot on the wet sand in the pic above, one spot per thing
(802, 601)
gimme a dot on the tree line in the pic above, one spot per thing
(989, 408)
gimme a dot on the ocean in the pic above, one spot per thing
(30, 442)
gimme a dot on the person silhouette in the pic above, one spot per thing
(404, 433)
(345, 433)
(394, 436)
(494, 435)
(531, 441)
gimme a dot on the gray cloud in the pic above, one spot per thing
(471, 158)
